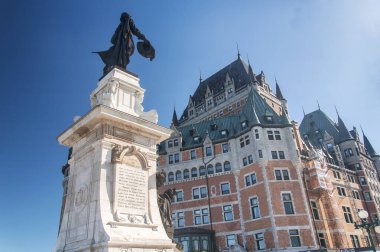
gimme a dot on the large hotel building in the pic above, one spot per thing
(248, 178)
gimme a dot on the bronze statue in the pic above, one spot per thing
(123, 47)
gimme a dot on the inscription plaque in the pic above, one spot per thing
(131, 190)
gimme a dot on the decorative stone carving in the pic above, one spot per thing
(120, 153)
(81, 198)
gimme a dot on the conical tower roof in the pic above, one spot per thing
(369, 147)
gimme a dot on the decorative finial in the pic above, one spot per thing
(237, 46)
(303, 110)
(319, 107)
(336, 110)
(200, 76)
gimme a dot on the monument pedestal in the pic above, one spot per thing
(111, 202)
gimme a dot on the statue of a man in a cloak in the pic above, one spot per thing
(123, 47)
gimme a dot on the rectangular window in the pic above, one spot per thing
(227, 213)
(347, 214)
(281, 154)
(180, 219)
(295, 238)
(242, 142)
(341, 191)
(322, 240)
(314, 208)
(175, 142)
(179, 196)
(250, 179)
(197, 217)
(201, 216)
(288, 204)
(203, 192)
(208, 151)
(231, 240)
(247, 141)
(176, 157)
(257, 136)
(277, 135)
(225, 147)
(171, 159)
(193, 154)
(260, 154)
(195, 193)
(355, 241)
(270, 135)
(260, 242)
(250, 159)
(255, 210)
(225, 188)
(170, 143)
(367, 196)
(274, 155)
(358, 166)
(245, 162)
(336, 174)
(355, 194)
(281, 174)
(362, 181)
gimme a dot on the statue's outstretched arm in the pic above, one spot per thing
(136, 31)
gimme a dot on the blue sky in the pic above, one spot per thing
(318, 50)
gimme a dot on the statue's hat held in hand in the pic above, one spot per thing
(146, 49)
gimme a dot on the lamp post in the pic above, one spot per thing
(365, 224)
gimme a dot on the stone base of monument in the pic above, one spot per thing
(111, 201)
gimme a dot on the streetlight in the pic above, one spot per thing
(364, 224)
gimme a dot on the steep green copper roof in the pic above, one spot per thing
(369, 147)
(344, 134)
(317, 120)
(254, 113)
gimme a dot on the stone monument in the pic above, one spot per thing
(111, 202)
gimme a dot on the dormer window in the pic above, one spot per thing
(175, 142)
(230, 90)
(191, 131)
(196, 139)
(224, 132)
(214, 127)
(244, 124)
(317, 131)
(269, 118)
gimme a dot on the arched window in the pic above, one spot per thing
(202, 171)
(178, 175)
(218, 168)
(210, 169)
(186, 174)
(194, 172)
(171, 177)
(227, 166)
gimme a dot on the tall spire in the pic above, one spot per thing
(344, 134)
(278, 92)
(174, 118)
(368, 146)
(303, 110)
(238, 51)
(319, 107)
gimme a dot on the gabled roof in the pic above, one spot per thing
(369, 147)
(240, 73)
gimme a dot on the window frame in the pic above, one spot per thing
(288, 202)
